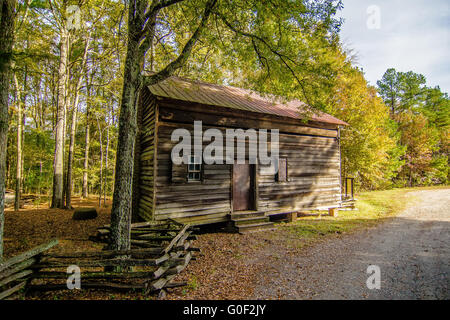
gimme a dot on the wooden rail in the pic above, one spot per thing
(16, 272)
(158, 253)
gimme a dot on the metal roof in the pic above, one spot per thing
(236, 98)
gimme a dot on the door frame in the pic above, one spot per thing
(253, 194)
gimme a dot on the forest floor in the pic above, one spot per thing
(229, 266)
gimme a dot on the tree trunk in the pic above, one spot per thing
(132, 84)
(19, 145)
(106, 163)
(87, 140)
(58, 160)
(101, 162)
(7, 16)
(86, 157)
(138, 23)
(73, 130)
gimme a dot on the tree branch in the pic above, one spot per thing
(158, 5)
(185, 53)
(284, 59)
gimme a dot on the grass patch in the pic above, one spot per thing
(373, 207)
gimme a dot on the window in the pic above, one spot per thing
(282, 174)
(194, 169)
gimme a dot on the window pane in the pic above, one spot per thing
(194, 169)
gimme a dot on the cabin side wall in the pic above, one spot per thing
(312, 160)
(146, 165)
(313, 175)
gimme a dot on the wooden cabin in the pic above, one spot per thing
(308, 175)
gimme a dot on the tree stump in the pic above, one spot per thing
(85, 214)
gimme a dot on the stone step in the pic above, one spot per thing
(247, 228)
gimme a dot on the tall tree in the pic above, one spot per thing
(19, 166)
(7, 18)
(422, 116)
(69, 180)
(366, 144)
(402, 91)
(58, 160)
(389, 89)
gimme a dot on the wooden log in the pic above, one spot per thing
(26, 255)
(149, 230)
(145, 244)
(107, 253)
(161, 270)
(89, 285)
(15, 276)
(176, 238)
(181, 267)
(180, 261)
(17, 267)
(104, 263)
(12, 290)
(141, 224)
(153, 237)
(96, 275)
(175, 284)
(183, 246)
(183, 238)
(159, 284)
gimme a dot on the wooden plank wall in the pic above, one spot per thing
(147, 154)
(205, 201)
(313, 174)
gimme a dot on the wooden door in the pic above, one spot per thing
(242, 187)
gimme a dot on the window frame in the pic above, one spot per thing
(286, 175)
(195, 170)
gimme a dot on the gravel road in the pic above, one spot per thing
(412, 251)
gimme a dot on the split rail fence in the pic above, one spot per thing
(159, 251)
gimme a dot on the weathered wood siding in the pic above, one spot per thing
(312, 153)
(313, 175)
(147, 153)
(198, 201)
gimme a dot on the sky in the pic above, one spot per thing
(406, 35)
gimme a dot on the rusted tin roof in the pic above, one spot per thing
(236, 98)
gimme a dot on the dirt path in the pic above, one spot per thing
(412, 251)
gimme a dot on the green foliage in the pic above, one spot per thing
(368, 144)
(278, 47)
(422, 116)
